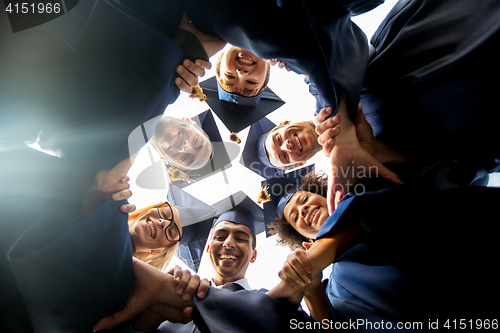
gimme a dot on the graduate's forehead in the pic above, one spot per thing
(228, 227)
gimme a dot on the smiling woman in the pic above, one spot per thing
(155, 232)
(304, 213)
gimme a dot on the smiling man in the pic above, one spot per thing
(289, 145)
(232, 247)
(181, 143)
(241, 72)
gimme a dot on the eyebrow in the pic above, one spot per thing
(245, 92)
(223, 230)
(296, 202)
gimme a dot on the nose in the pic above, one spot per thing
(287, 146)
(186, 146)
(241, 71)
(162, 223)
(303, 210)
(228, 242)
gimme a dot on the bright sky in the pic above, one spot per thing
(299, 106)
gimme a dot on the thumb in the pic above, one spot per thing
(382, 171)
(113, 320)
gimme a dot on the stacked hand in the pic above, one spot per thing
(280, 63)
(352, 151)
(115, 182)
(190, 72)
(297, 279)
(157, 296)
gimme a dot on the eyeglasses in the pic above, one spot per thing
(171, 231)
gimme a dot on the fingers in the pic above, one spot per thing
(323, 114)
(203, 64)
(120, 191)
(327, 131)
(360, 116)
(203, 288)
(328, 134)
(187, 283)
(326, 124)
(272, 62)
(128, 208)
(296, 269)
(190, 72)
(113, 320)
(386, 173)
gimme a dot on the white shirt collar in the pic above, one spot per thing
(242, 282)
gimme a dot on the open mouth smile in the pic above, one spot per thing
(174, 141)
(298, 143)
(151, 228)
(228, 257)
(245, 61)
(312, 217)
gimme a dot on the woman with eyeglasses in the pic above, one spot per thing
(155, 232)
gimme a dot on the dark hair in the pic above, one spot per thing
(287, 235)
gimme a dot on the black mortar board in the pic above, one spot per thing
(280, 189)
(196, 219)
(254, 155)
(236, 115)
(219, 159)
(240, 200)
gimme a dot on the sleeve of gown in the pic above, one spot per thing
(334, 53)
(71, 275)
(121, 76)
(224, 311)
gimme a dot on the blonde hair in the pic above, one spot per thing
(158, 260)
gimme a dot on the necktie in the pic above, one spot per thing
(232, 286)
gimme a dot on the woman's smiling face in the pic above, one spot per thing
(306, 212)
(148, 230)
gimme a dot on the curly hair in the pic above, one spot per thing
(287, 235)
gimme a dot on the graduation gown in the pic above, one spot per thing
(429, 88)
(71, 273)
(426, 256)
(80, 85)
(84, 94)
(330, 48)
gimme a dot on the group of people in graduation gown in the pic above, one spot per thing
(79, 86)
(311, 66)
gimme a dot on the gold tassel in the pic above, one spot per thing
(197, 92)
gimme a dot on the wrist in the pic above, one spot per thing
(315, 292)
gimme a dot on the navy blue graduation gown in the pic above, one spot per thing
(426, 256)
(330, 48)
(83, 95)
(73, 273)
(80, 85)
(430, 88)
